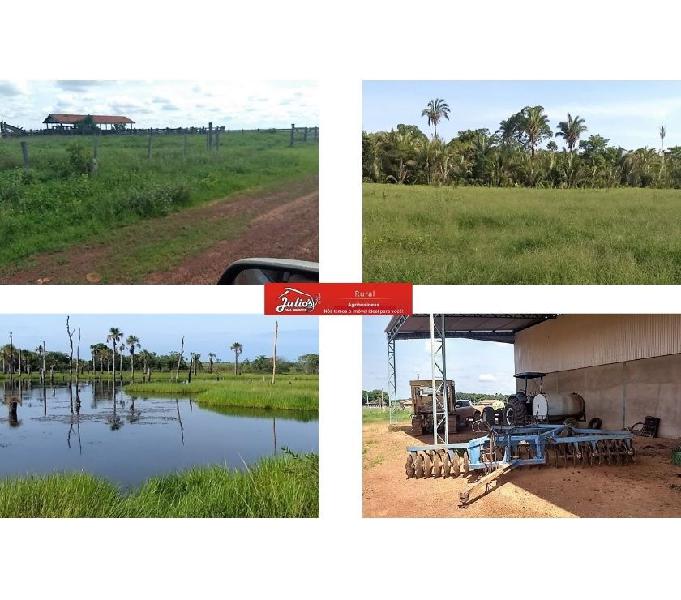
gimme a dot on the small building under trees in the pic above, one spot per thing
(87, 122)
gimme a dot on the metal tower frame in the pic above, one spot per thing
(438, 363)
(392, 367)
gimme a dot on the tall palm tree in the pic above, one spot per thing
(663, 134)
(114, 336)
(571, 130)
(435, 110)
(133, 342)
(535, 126)
(211, 357)
(237, 348)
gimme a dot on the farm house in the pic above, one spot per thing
(626, 367)
(69, 121)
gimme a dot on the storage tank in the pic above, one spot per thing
(555, 407)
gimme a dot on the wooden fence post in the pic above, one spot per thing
(210, 135)
(305, 135)
(94, 165)
(24, 152)
(149, 146)
(293, 131)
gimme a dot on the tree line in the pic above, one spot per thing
(523, 151)
(120, 353)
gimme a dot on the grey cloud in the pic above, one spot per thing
(76, 85)
(7, 88)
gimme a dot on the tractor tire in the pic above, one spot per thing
(515, 411)
(488, 415)
(595, 423)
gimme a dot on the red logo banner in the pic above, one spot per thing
(338, 298)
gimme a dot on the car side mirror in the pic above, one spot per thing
(258, 271)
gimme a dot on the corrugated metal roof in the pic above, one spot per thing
(494, 328)
(69, 119)
(576, 341)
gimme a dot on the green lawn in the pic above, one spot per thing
(58, 204)
(285, 486)
(474, 235)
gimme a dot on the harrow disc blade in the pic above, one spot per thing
(409, 466)
(465, 463)
(437, 464)
(418, 466)
(455, 469)
(446, 464)
(427, 464)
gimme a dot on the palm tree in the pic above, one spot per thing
(237, 348)
(115, 335)
(133, 342)
(435, 110)
(211, 357)
(570, 130)
(663, 134)
(535, 126)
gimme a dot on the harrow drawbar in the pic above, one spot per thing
(506, 448)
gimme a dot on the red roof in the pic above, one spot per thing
(97, 119)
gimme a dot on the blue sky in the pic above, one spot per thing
(628, 113)
(234, 104)
(483, 367)
(162, 333)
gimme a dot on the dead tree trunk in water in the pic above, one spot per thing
(274, 352)
(179, 361)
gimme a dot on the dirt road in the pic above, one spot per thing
(643, 489)
(193, 246)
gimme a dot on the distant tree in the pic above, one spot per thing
(114, 336)
(211, 357)
(237, 348)
(435, 111)
(571, 130)
(133, 343)
(663, 134)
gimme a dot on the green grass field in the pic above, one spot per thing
(290, 392)
(58, 204)
(285, 486)
(376, 415)
(474, 235)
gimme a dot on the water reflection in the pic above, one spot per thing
(71, 427)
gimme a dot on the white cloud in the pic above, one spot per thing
(487, 377)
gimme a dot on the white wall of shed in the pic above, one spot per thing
(577, 341)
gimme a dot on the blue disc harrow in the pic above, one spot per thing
(505, 448)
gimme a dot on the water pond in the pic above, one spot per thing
(128, 438)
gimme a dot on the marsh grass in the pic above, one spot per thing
(477, 235)
(58, 203)
(284, 486)
(290, 392)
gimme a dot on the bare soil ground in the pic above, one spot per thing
(651, 487)
(193, 246)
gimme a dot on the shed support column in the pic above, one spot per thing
(392, 380)
(439, 372)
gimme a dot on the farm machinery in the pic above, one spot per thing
(505, 448)
(523, 408)
(459, 412)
